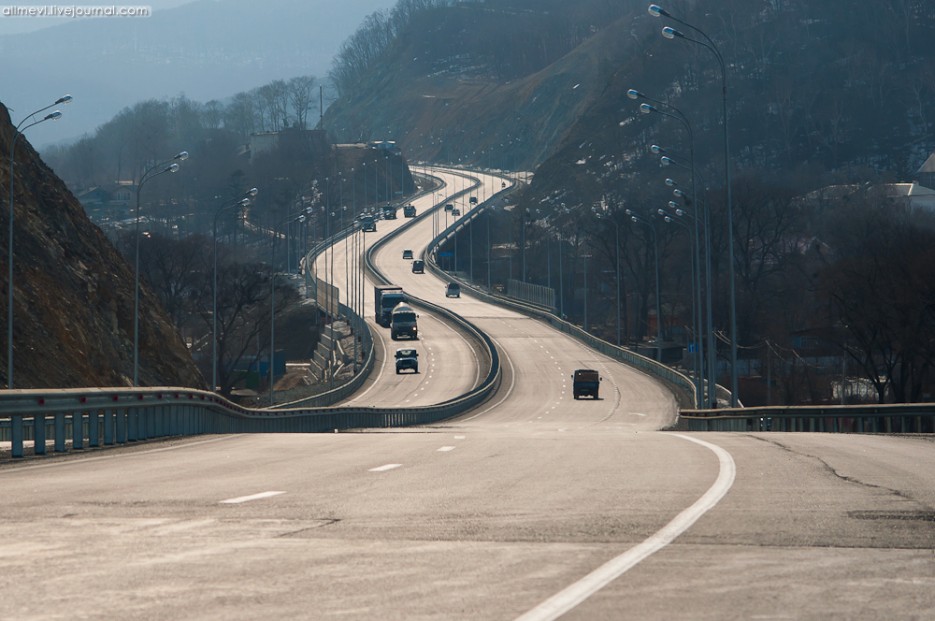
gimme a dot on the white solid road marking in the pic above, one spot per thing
(240, 499)
(509, 390)
(574, 594)
(385, 467)
(445, 449)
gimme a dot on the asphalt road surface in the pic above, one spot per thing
(534, 506)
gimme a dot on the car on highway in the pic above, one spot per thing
(418, 266)
(368, 223)
(407, 254)
(407, 358)
(585, 383)
(473, 200)
(453, 290)
(455, 212)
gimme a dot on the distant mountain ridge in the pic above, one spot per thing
(207, 49)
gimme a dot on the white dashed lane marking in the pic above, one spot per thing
(241, 499)
(385, 467)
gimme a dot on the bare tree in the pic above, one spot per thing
(241, 115)
(880, 293)
(301, 92)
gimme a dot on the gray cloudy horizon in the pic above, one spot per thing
(202, 49)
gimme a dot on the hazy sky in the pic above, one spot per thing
(185, 48)
(17, 24)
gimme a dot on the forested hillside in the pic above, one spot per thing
(835, 93)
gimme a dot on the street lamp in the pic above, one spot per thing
(20, 129)
(166, 166)
(697, 310)
(243, 202)
(272, 292)
(671, 33)
(649, 225)
(334, 297)
(606, 212)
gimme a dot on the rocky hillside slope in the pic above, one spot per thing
(510, 83)
(73, 293)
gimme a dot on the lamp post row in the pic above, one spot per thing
(702, 328)
(705, 41)
(167, 166)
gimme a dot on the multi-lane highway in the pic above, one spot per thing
(533, 506)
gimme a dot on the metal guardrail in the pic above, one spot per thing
(875, 418)
(72, 419)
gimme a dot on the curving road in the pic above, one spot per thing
(535, 506)
(448, 364)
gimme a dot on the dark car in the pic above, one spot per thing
(473, 200)
(586, 383)
(407, 358)
(407, 254)
(418, 266)
(453, 290)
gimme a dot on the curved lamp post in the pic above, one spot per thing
(243, 202)
(705, 41)
(300, 217)
(640, 220)
(20, 129)
(168, 166)
(697, 306)
(605, 211)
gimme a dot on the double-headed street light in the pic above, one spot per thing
(705, 41)
(242, 203)
(20, 129)
(167, 166)
(299, 217)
